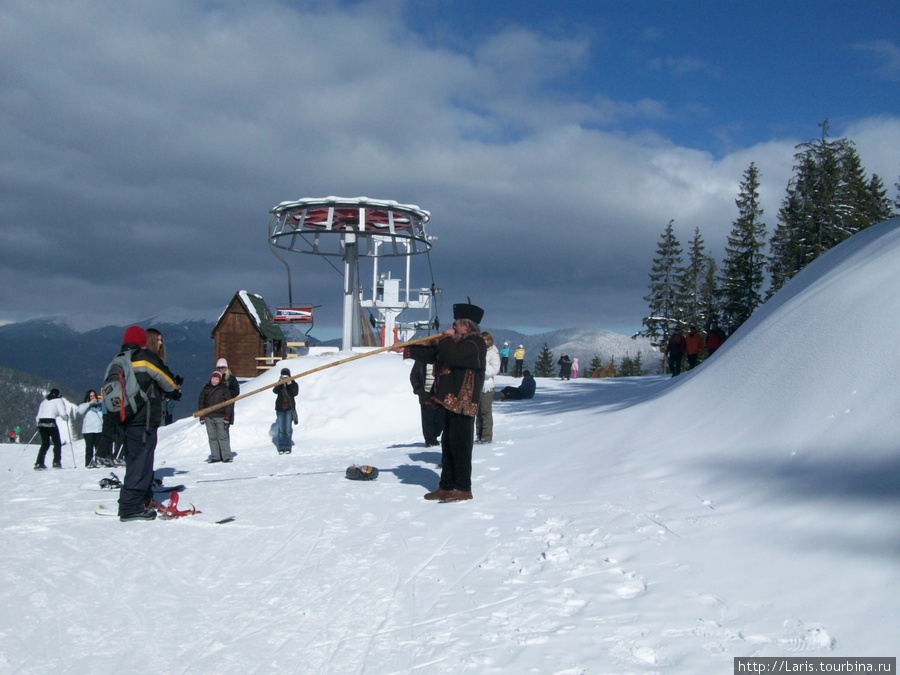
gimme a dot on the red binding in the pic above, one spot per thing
(171, 510)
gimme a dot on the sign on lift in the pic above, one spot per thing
(293, 315)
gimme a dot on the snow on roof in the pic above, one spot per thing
(353, 201)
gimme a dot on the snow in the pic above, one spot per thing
(639, 525)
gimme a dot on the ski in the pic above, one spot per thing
(113, 510)
(91, 487)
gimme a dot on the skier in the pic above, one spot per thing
(156, 380)
(51, 409)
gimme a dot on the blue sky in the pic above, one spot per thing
(146, 142)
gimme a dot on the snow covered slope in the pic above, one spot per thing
(650, 524)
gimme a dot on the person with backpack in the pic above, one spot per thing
(217, 421)
(285, 410)
(51, 409)
(134, 390)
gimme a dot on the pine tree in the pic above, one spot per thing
(632, 366)
(743, 270)
(665, 298)
(710, 294)
(692, 279)
(828, 200)
(544, 366)
(897, 200)
(881, 207)
(596, 364)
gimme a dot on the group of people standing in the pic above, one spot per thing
(692, 346)
(100, 426)
(219, 391)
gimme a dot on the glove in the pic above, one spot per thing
(202, 420)
(175, 395)
(226, 421)
(179, 380)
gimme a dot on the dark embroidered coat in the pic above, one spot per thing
(458, 371)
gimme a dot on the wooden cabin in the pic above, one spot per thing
(247, 337)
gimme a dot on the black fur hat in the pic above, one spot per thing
(468, 311)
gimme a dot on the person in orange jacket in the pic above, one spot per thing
(693, 346)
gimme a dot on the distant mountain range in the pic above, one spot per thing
(75, 360)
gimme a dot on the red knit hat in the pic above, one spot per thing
(135, 335)
(216, 375)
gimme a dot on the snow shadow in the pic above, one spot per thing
(413, 474)
(856, 478)
(873, 484)
(605, 395)
(429, 457)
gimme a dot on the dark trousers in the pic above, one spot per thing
(675, 364)
(50, 435)
(504, 364)
(692, 360)
(91, 442)
(109, 437)
(456, 452)
(432, 423)
(518, 370)
(511, 394)
(137, 488)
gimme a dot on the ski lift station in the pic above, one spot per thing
(362, 228)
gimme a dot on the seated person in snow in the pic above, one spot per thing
(523, 391)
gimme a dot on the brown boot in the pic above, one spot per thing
(438, 494)
(456, 496)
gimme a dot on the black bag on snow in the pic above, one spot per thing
(365, 472)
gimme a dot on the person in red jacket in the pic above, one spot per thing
(674, 351)
(715, 338)
(693, 345)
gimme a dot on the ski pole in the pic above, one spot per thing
(201, 413)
